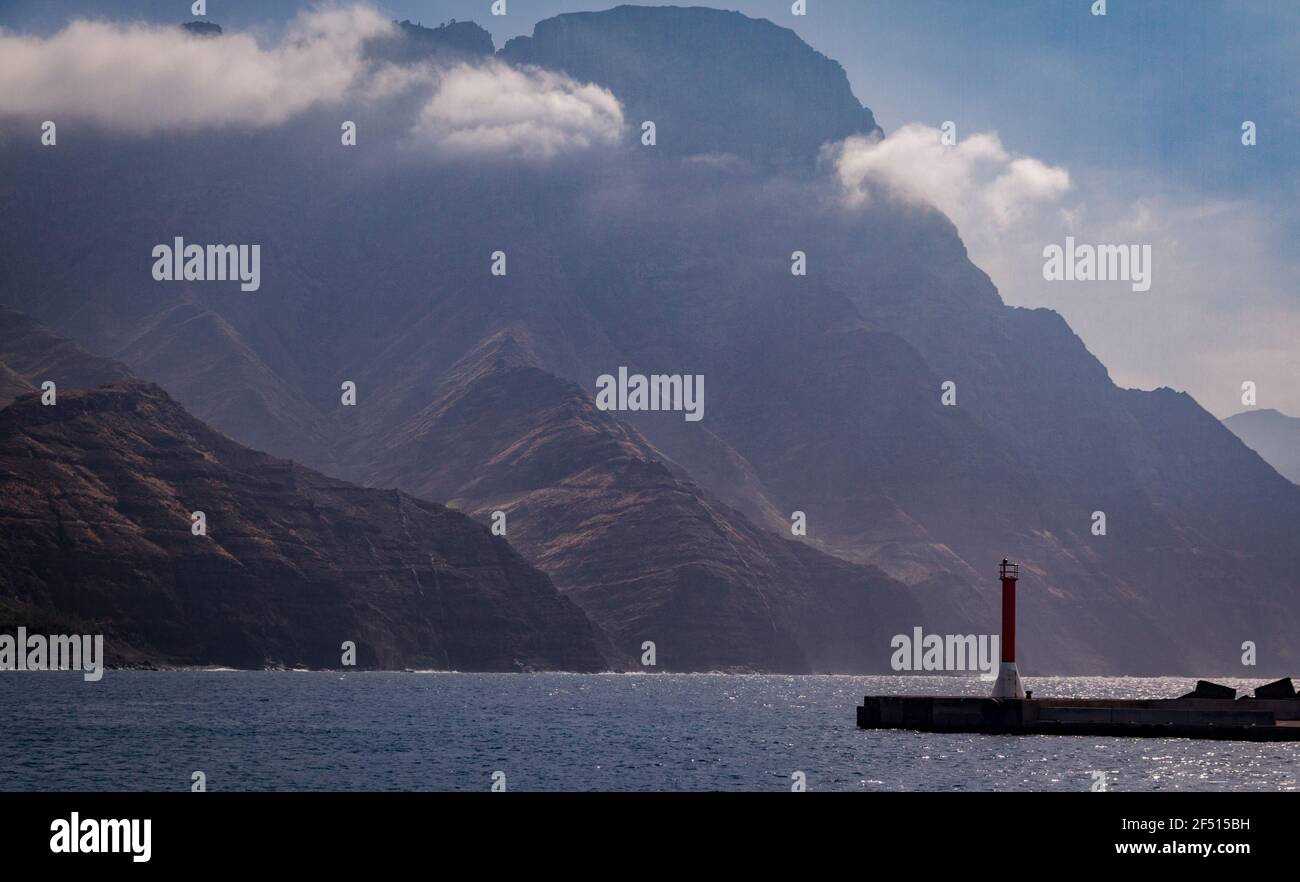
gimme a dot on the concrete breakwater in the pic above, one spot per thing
(1191, 716)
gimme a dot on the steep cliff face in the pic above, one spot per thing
(739, 86)
(96, 501)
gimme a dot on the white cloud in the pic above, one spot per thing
(976, 182)
(142, 79)
(525, 113)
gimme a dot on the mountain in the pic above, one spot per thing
(450, 42)
(216, 372)
(715, 83)
(30, 354)
(96, 495)
(1273, 435)
(202, 28)
(584, 493)
(823, 391)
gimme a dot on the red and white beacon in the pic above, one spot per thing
(1008, 682)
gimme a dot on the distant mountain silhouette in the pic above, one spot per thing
(202, 28)
(449, 42)
(1273, 435)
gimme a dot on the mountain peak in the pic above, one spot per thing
(1275, 436)
(1260, 413)
(713, 82)
(202, 28)
(450, 41)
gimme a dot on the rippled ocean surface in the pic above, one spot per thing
(439, 731)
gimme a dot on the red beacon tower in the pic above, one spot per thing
(1008, 682)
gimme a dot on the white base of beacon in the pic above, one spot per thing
(1008, 682)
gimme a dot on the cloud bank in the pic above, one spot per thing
(144, 79)
(141, 80)
(505, 111)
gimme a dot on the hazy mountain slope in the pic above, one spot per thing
(1273, 435)
(12, 384)
(645, 552)
(211, 369)
(95, 501)
(1185, 503)
(843, 420)
(30, 354)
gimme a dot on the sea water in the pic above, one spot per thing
(139, 730)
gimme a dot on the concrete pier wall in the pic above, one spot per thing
(1186, 718)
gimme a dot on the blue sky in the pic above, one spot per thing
(1143, 107)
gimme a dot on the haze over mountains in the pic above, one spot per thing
(1273, 435)
(823, 391)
